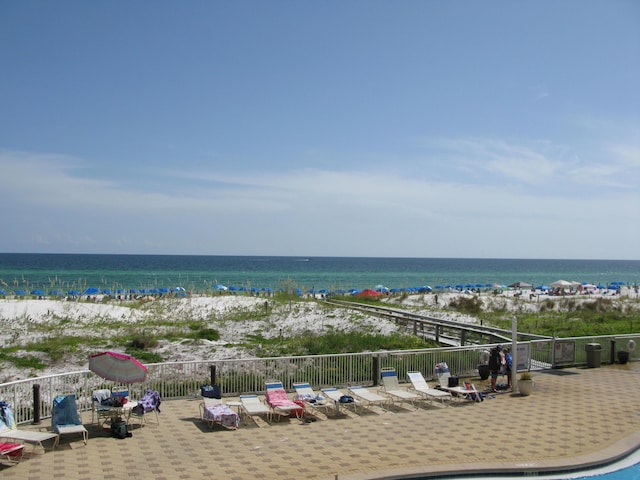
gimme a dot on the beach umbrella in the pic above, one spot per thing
(19, 292)
(561, 284)
(56, 293)
(91, 291)
(38, 292)
(117, 367)
(368, 293)
(74, 293)
(3, 292)
(220, 287)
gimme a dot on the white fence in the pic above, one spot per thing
(235, 377)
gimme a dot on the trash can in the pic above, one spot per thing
(594, 353)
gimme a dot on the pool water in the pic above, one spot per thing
(626, 469)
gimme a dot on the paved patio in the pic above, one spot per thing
(574, 418)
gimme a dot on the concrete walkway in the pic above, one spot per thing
(574, 418)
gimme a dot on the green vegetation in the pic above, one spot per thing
(333, 342)
(145, 325)
(566, 317)
(23, 362)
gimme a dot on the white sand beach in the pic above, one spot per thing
(30, 320)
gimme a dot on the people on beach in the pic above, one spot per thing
(508, 364)
(494, 365)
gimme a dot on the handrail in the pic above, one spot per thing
(498, 333)
(248, 375)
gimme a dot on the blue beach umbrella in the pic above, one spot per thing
(3, 292)
(19, 292)
(220, 287)
(38, 292)
(91, 291)
(56, 293)
(74, 293)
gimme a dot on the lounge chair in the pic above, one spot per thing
(10, 431)
(150, 402)
(367, 397)
(280, 404)
(65, 418)
(214, 412)
(392, 387)
(252, 406)
(336, 395)
(421, 387)
(314, 400)
(443, 374)
(11, 453)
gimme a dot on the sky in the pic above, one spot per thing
(465, 129)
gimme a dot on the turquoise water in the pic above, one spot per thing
(626, 469)
(202, 273)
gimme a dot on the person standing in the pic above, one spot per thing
(494, 365)
(508, 363)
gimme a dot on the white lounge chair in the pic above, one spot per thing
(305, 393)
(367, 397)
(460, 392)
(252, 407)
(281, 405)
(11, 432)
(335, 395)
(421, 387)
(214, 412)
(392, 387)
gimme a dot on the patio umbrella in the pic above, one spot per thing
(117, 367)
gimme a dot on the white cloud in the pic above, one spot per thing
(319, 211)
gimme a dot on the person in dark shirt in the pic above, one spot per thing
(494, 365)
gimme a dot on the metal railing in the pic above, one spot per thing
(235, 377)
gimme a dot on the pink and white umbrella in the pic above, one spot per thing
(118, 367)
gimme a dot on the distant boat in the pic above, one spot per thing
(303, 260)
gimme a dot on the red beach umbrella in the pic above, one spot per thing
(368, 293)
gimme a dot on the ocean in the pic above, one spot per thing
(200, 274)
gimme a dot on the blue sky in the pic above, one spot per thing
(338, 128)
